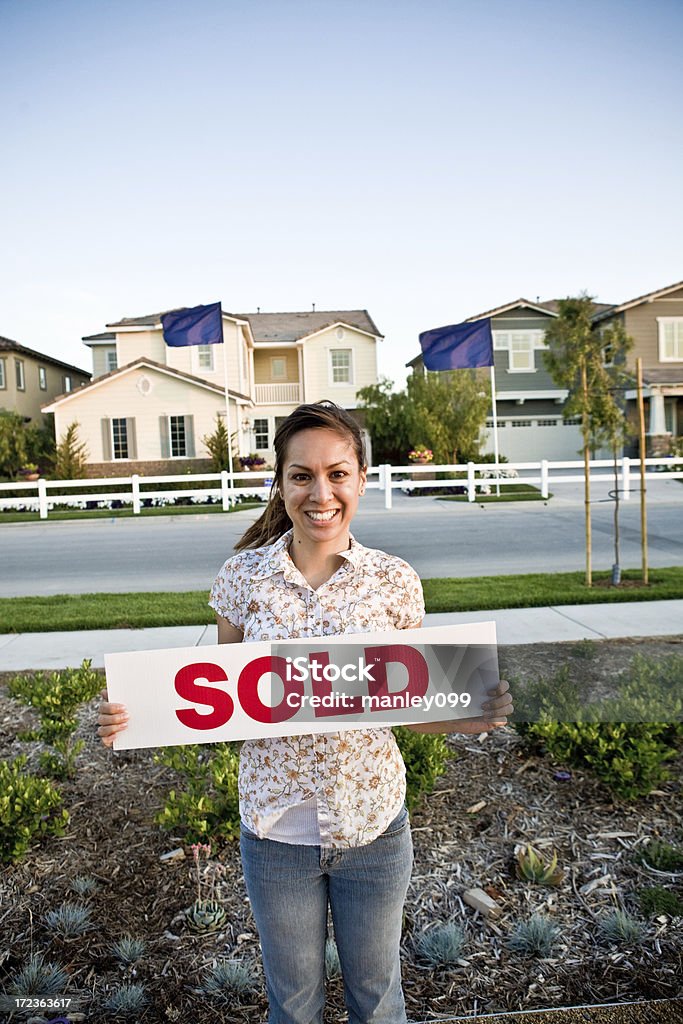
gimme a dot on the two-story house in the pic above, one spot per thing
(29, 379)
(529, 404)
(150, 405)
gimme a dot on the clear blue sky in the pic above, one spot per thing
(424, 160)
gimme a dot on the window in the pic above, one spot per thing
(42, 378)
(3, 381)
(547, 423)
(278, 367)
(520, 423)
(261, 434)
(112, 361)
(670, 338)
(340, 362)
(19, 371)
(177, 436)
(520, 346)
(119, 438)
(67, 384)
(205, 357)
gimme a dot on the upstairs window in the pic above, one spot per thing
(68, 384)
(340, 366)
(19, 372)
(278, 367)
(521, 347)
(205, 357)
(42, 378)
(112, 361)
(3, 379)
(670, 338)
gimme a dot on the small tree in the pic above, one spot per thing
(592, 366)
(71, 456)
(444, 411)
(13, 446)
(218, 446)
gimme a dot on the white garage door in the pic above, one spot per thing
(530, 440)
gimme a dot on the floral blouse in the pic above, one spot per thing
(357, 777)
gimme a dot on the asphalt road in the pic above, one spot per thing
(438, 538)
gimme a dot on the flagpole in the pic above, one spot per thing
(227, 403)
(495, 427)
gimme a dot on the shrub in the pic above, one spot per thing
(441, 944)
(56, 697)
(126, 999)
(624, 740)
(69, 920)
(536, 937)
(30, 808)
(84, 885)
(658, 900)
(128, 950)
(661, 856)
(332, 961)
(621, 927)
(425, 755)
(37, 979)
(208, 806)
(71, 457)
(230, 979)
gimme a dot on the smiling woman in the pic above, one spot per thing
(324, 823)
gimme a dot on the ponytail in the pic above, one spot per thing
(270, 525)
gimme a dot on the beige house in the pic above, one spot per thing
(655, 322)
(150, 405)
(29, 379)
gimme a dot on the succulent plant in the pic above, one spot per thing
(531, 867)
(205, 916)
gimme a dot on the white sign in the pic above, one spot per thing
(289, 687)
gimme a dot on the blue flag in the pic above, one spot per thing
(200, 325)
(458, 347)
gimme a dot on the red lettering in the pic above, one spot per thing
(380, 657)
(188, 688)
(247, 690)
(323, 688)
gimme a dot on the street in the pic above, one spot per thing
(439, 538)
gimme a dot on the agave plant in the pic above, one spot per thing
(531, 867)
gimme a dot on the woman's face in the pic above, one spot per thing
(321, 484)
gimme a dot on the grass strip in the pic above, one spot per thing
(140, 611)
(123, 513)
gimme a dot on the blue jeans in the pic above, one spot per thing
(290, 887)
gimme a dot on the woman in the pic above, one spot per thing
(323, 816)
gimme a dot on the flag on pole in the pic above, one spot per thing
(458, 347)
(200, 325)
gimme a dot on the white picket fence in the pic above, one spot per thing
(228, 487)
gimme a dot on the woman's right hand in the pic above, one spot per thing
(112, 718)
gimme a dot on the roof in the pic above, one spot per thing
(7, 345)
(553, 305)
(275, 327)
(663, 375)
(650, 297)
(103, 337)
(539, 307)
(145, 361)
(283, 327)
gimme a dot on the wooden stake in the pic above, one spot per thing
(587, 475)
(643, 452)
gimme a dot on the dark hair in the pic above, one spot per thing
(323, 415)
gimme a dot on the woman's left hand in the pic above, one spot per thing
(497, 709)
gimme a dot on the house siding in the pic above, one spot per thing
(507, 380)
(641, 323)
(28, 402)
(317, 366)
(262, 366)
(121, 397)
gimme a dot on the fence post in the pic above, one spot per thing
(381, 477)
(626, 478)
(135, 484)
(42, 498)
(387, 486)
(471, 496)
(225, 490)
(544, 478)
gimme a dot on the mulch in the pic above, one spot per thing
(112, 836)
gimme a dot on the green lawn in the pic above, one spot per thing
(137, 611)
(122, 513)
(508, 492)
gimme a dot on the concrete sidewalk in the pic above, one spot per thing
(514, 626)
